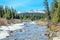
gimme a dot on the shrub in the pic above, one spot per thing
(3, 21)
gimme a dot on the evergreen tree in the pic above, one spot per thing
(54, 7)
(47, 9)
(6, 12)
(56, 16)
(1, 11)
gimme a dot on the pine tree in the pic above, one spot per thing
(55, 3)
(56, 16)
(1, 11)
(59, 9)
(6, 12)
(47, 9)
(54, 6)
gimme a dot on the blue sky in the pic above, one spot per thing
(24, 5)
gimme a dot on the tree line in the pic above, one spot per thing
(32, 16)
(53, 13)
(10, 13)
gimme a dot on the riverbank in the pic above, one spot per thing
(6, 22)
(51, 25)
(39, 22)
(54, 28)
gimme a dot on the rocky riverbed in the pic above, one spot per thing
(28, 30)
(25, 31)
(54, 29)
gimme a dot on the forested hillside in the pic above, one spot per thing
(10, 13)
(32, 16)
(53, 12)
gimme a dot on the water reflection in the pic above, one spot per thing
(31, 31)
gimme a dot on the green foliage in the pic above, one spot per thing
(56, 16)
(55, 11)
(6, 13)
(10, 13)
(1, 11)
(31, 16)
(47, 9)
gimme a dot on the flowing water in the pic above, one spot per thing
(31, 31)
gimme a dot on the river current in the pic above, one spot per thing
(31, 31)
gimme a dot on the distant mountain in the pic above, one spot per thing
(33, 11)
(36, 11)
(32, 14)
